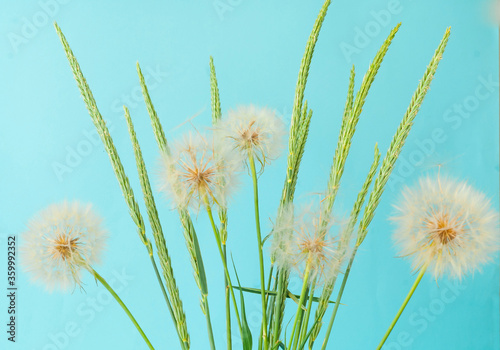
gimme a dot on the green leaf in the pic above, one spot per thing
(201, 268)
(266, 238)
(246, 333)
(294, 297)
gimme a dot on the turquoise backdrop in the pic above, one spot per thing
(49, 152)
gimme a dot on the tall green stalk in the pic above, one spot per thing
(298, 314)
(339, 297)
(269, 304)
(188, 231)
(227, 294)
(184, 341)
(305, 324)
(209, 324)
(390, 159)
(299, 131)
(177, 309)
(279, 306)
(345, 241)
(216, 116)
(122, 304)
(251, 162)
(399, 139)
(116, 163)
(401, 309)
(226, 271)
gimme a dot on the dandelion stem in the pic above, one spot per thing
(219, 246)
(339, 297)
(303, 332)
(251, 161)
(228, 303)
(295, 335)
(405, 302)
(269, 307)
(122, 304)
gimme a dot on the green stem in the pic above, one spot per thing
(184, 343)
(405, 302)
(259, 242)
(209, 323)
(303, 332)
(339, 297)
(228, 303)
(122, 304)
(281, 291)
(226, 271)
(269, 307)
(298, 314)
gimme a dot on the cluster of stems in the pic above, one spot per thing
(273, 289)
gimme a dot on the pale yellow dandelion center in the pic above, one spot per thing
(314, 249)
(315, 246)
(199, 175)
(193, 174)
(301, 241)
(249, 135)
(443, 228)
(447, 226)
(63, 247)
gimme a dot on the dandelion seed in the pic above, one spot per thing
(446, 225)
(252, 130)
(61, 240)
(192, 173)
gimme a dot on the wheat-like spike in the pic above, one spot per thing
(214, 94)
(279, 307)
(216, 116)
(162, 251)
(222, 210)
(345, 239)
(103, 131)
(161, 140)
(371, 73)
(297, 112)
(350, 120)
(302, 135)
(305, 65)
(342, 149)
(360, 200)
(399, 139)
(349, 101)
(299, 125)
(187, 225)
(119, 171)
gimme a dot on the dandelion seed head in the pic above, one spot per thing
(304, 238)
(250, 129)
(193, 172)
(446, 225)
(61, 240)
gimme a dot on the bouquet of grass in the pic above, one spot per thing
(443, 225)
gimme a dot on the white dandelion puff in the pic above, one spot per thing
(61, 240)
(252, 130)
(447, 226)
(193, 173)
(300, 239)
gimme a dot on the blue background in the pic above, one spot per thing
(257, 47)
